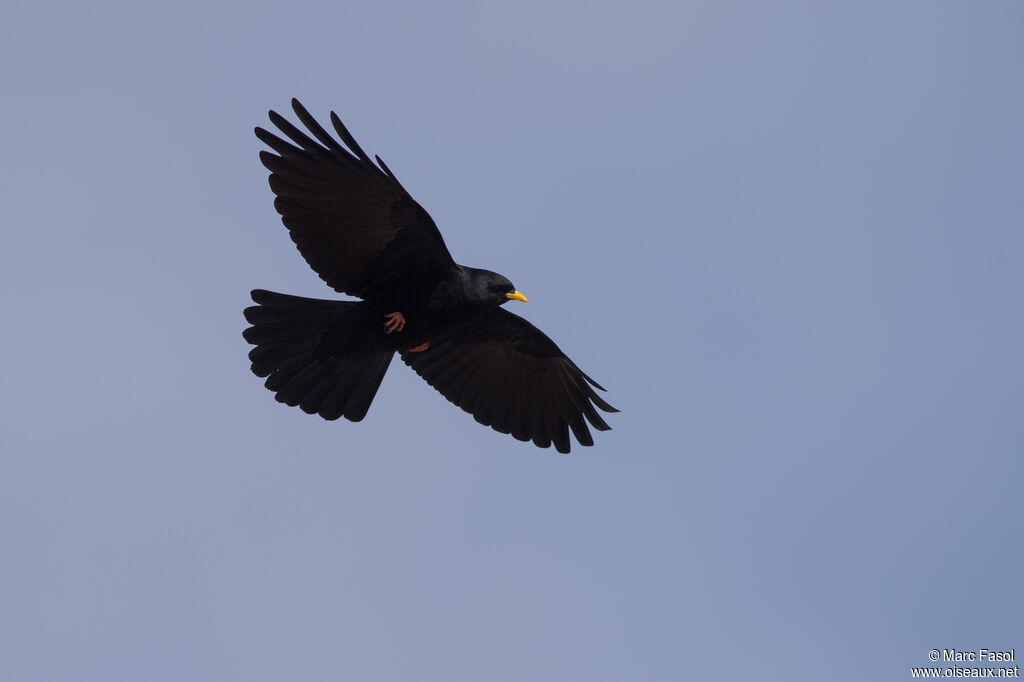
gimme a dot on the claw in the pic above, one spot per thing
(420, 348)
(395, 323)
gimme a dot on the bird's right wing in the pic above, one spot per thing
(352, 221)
(510, 376)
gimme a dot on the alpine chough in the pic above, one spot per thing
(362, 232)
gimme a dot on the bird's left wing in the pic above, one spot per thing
(510, 376)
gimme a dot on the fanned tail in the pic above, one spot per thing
(287, 332)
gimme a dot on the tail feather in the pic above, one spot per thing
(352, 400)
(287, 332)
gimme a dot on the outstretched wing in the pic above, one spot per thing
(510, 376)
(353, 222)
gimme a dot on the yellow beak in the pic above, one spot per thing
(517, 296)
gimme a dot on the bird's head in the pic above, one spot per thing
(490, 287)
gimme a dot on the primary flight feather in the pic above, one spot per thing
(362, 232)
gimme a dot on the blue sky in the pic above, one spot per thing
(787, 237)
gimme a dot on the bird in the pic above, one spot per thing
(365, 236)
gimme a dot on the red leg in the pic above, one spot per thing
(420, 348)
(395, 323)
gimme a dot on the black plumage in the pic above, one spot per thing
(365, 236)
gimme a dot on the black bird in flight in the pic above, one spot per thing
(365, 236)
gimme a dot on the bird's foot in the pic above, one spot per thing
(420, 348)
(395, 323)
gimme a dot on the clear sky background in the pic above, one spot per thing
(788, 237)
